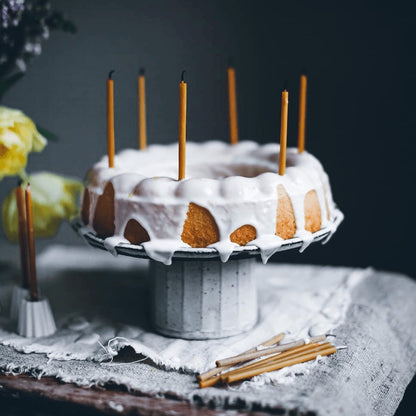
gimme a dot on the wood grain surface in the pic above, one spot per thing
(47, 396)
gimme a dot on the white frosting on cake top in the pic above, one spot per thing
(237, 184)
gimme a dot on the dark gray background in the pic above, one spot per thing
(360, 60)
(360, 103)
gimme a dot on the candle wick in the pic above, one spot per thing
(141, 71)
(19, 182)
(183, 76)
(285, 84)
(110, 74)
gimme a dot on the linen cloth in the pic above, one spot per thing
(101, 307)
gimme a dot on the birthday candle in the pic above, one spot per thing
(302, 113)
(232, 105)
(142, 110)
(110, 120)
(283, 132)
(182, 127)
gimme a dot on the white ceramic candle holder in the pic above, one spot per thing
(18, 294)
(35, 319)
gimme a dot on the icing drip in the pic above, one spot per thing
(307, 238)
(236, 184)
(110, 243)
(332, 228)
(163, 250)
(224, 248)
(268, 245)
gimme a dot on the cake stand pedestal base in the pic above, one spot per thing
(198, 297)
(203, 299)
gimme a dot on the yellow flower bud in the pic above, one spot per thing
(54, 199)
(18, 137)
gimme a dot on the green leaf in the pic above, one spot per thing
(47, 134)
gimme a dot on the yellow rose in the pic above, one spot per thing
(54, 199)
(18, 137)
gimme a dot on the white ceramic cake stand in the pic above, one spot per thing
(198, 296)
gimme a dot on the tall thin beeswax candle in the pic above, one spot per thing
(182, 126)
(232, 105)
(142, 110)
(33, 285)
(110, 120)
(302, 113)
(23, 242)
(283, 132)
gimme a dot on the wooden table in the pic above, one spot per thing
(24, 393)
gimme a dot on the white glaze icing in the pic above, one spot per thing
(224, 248)
(268, 245)
(110, 243)
(236, 184)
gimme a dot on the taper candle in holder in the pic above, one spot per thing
(35, 314)
(20, 291)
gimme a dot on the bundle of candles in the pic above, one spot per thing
(232, 105)
(34, 316)
(273, 356)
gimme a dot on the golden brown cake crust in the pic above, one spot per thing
(104, 213)
(285, 218)
(200, 228)
(135, 233)
(312, 212)
(328, 216)
(243, 235)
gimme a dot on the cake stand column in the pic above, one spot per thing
(197, 299)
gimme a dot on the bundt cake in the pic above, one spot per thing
(232, 195)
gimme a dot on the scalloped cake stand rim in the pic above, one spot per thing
(190, 253)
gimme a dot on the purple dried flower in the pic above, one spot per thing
(23, 26)
(10, 12)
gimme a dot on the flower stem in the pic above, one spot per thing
(23, 175)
